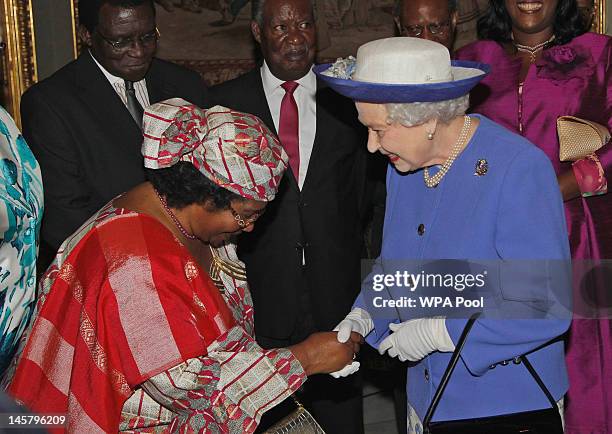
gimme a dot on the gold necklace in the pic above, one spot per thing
(221, 265)
(433, 181)
(532, 50)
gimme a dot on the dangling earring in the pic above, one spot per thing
(430, 134)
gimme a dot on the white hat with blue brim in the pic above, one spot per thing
(402, 70)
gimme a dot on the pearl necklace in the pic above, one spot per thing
(174, 219)
(433, 181)
(532, 50)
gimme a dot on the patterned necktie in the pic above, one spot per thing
(133, 105)
(289, 127)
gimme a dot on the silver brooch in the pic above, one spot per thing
(482, 167)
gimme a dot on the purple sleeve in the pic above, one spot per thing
(605, 153)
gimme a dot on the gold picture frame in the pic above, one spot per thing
(19, 64)
(19, 52)
(600, 15)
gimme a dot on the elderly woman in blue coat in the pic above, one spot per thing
(458, 187)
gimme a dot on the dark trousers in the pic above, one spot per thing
(336, 404)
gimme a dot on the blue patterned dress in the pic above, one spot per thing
(21, 209)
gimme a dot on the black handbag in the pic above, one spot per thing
(546, 421)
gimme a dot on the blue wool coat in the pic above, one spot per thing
(512, 211)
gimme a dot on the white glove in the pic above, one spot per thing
(414, 339)
(359, 321)
(346, 371)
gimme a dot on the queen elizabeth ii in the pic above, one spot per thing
(456, 190)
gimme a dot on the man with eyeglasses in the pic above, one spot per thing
(84, 122)
(434, 20)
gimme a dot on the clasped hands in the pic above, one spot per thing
(334, 353)
(410, 340)
(323, 353)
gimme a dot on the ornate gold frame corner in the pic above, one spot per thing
(19, 60)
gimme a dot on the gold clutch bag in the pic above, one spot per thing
(300, 421)
(579, 137)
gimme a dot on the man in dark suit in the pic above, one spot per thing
(303, 258)
(84, 122)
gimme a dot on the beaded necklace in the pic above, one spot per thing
(174, 219)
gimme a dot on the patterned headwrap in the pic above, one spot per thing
(234, 150)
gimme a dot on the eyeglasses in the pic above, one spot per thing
(147, 40)
(417, 29)
(243, 223)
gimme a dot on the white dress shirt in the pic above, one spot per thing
(305, 98)
(119, 85)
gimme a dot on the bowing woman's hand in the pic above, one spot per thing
(321, 353)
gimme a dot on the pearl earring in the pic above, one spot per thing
(430, 136)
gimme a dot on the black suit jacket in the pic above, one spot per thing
(85, 140)
(325, 218)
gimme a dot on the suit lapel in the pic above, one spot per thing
(259, 102)
(155, 87)
(323, 119)
(98, 94)
(158, 88)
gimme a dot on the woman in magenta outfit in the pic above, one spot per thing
(542, 68)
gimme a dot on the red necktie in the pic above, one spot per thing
(289, 127)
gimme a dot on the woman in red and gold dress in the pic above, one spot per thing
(145, 320)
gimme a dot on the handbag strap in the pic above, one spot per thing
(449, 369)
(538, 380)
